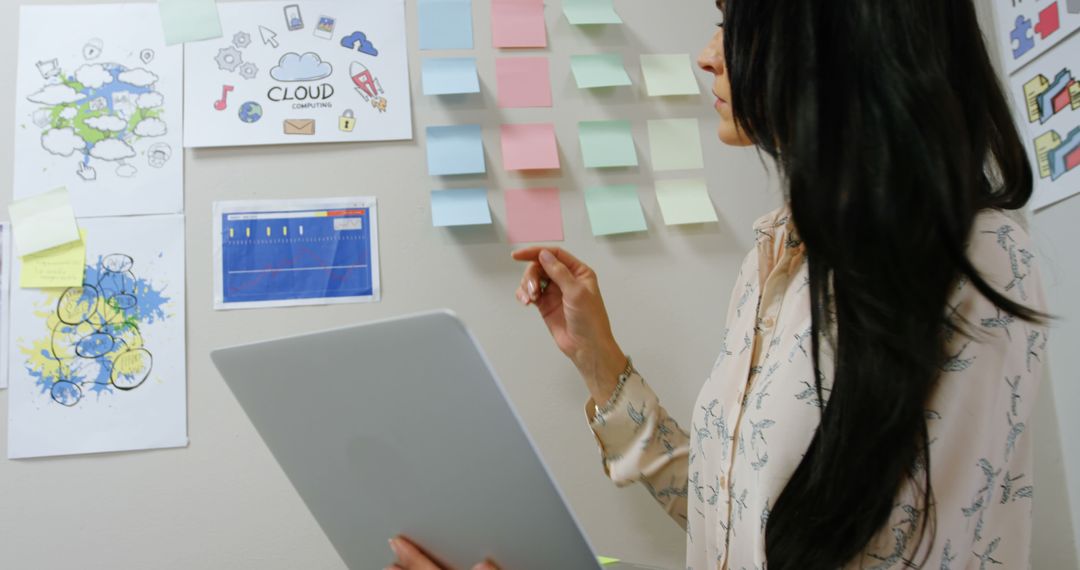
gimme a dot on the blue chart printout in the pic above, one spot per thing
(297, 252)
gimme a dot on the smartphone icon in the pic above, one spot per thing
(293, 20)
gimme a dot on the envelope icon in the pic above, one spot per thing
(299, 126)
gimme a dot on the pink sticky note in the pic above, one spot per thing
(523, 82)
(518, 24)
(530, 147)
(533, 215)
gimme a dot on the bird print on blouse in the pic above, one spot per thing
(759, 407)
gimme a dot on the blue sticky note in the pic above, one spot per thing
(445, 24)
(189, 20)
(456, 149)
(450, 75)
(468, 207)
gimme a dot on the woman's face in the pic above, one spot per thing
(711, 60)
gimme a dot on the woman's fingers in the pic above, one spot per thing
(485, 566)
(409, 556)
(533, 254)
(558, 272)
(533, 275)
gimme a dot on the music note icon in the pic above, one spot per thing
(221, 104)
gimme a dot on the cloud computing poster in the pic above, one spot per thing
(300, 72)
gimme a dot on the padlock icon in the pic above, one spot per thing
(347, 122)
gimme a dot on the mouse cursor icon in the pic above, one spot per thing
(269, 37)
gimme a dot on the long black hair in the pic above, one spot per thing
(892, 132)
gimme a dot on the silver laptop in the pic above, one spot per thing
(400, 427)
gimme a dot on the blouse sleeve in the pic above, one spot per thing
(639, 441)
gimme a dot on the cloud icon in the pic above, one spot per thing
(151, 127)
(55, 95)
(308, 67)
(62, 142)
(106, 123)
(359, 42)
(93, 76)
(138, 77)
(150, 100)
(111, 149)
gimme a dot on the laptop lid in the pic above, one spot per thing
(400, 427)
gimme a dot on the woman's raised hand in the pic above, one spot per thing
(566, 292)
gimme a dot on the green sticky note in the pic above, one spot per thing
(189, 20)
(675, 144)
(599, 70)
(669, 74)
(61, 266)
(614, 210)
(685, 202)
(589, 12)
(607, 144)
(605, 561)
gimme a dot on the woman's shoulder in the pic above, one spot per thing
(1003, 252)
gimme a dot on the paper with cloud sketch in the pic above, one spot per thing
(98, 109)
(300, 72)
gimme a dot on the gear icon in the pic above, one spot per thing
(241, 40)
(228, 59)
(249, 70)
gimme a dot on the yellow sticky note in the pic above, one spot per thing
(605, 561)
(61, 266)
(43, 221)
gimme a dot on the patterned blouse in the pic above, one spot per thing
(756, 414)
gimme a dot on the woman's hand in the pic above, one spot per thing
(566, 292)
(410, 557)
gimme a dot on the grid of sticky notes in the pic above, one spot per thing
(522, 80)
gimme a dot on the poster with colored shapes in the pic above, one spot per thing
(98, 109)
(300, 72)
(279, 253)
(1027, 29)
(101, 367)
(1047, 96)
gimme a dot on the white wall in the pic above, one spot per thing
(224, 503)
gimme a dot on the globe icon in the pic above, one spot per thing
(251, 112)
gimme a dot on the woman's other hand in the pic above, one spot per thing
(574, 313)
(410, 557)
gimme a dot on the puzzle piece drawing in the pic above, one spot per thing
(1022, 41)
(1049, 21)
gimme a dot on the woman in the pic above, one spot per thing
(884, 339)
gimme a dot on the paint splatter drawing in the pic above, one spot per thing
(92, 342)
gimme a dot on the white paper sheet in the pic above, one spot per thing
(1027, 29)
(5, 300)
(98, 109)
(1046, 95)
(279, 253)
(300, 72)
(102, 367)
